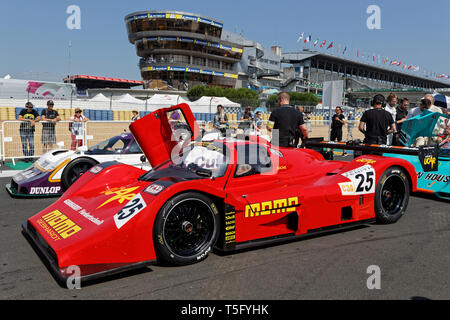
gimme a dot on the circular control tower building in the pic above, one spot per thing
(178, 50)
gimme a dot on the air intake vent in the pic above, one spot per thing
(346, 213)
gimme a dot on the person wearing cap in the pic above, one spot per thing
(135, 115)
(28, 116)
(77, 128)
(50, 116)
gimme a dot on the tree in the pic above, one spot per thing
(243, 96)
(296, 98)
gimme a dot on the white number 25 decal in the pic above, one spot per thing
(362, 181)
(131, 209)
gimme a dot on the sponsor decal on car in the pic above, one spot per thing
(120, 195)
(429, 158)
(230, 227)
(44, 190)
(433, 177)
(58, 226)
(362, 181)
(154, 189)
(366, 161)
(136, 205)
(82, 212)
(271, 207)
(96, 169)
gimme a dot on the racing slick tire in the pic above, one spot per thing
(74, 170)
(391, 195)
(186, 229)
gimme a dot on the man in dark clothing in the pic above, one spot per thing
(338, 120)
(28, 116)
(50, 116)
(284, 121)
(402, 113)
(377, 123)
(298, 131)
(246, 119)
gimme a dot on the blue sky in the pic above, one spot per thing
(35, 39)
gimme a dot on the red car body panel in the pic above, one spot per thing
(301, 194)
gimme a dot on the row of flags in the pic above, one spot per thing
(395, 63)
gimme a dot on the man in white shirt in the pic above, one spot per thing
(391, 107)
(427, 103)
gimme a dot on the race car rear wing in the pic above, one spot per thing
(428, 155)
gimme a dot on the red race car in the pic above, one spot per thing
(225, 194)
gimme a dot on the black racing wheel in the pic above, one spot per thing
(186, 229)
(391, 195)
(74, 170)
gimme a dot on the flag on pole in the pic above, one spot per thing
(331, 45)
(345, 50)
(300, 37)
(316, 42)
(308, 39)
(323, 43)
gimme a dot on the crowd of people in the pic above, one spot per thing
(380, 125)
(289, 125)
(49, 118)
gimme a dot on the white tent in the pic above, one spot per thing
(100, 98)
(127, 98)
(209, 104)
(158, 101)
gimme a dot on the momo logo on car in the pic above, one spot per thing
(44, 190)
(119, 194)
(58, 225)
(271, 207)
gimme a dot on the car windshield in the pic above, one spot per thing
(113, 145)
(204, 158)
(198, 159)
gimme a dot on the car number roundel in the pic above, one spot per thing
(362, 181)
(131, 209)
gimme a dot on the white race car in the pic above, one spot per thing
(57, 170)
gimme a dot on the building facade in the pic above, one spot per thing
(260, 68)
(178, 50)
(361, 80)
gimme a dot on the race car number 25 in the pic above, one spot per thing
(362, 181)
(136, 205)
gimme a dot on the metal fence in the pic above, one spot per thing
(20, 140)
